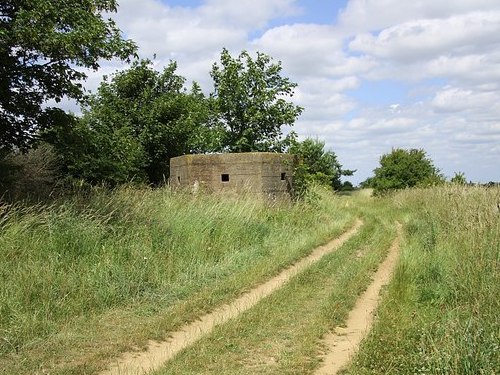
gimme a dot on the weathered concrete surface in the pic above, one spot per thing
(263, 173)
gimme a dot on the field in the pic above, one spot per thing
(440, 314)
(83, 281)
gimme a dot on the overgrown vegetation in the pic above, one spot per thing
(98, 273)
(42, 45)
(402, 169)
(315, 166)
(29, 176)
(440, 315)
(280, 334)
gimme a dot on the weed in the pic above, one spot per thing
(99, 273)
(441, 313)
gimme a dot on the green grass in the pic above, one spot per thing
(280, 334)
(94, 275)
(89, 277)
(441, 313)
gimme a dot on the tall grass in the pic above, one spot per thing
(141, 250)
(441, 313)
(280, 334)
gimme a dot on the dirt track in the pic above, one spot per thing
(158, 353)
(344, 342)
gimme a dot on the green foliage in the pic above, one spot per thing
(347, 186)
(314, 165)
(459, 179)
(117, 268)
(402, 169)
(250, 101)
(440, 315)
(28, 176)
(134, 124)
(43, 43)
(96, 154)
(368, 183)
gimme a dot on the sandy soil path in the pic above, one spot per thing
(344, 342)
(158, 353)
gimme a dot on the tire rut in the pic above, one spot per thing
(343, 343)
(158, 353)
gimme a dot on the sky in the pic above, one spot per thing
(372, 75)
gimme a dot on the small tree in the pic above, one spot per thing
(250, 102)
(368, 183)
(459, 179)
(134, 124)
(404, 169)
(96, 153)
(347, 186)
(315, 165)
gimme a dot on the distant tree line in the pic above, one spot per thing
(401, 169)
(139, 117)
(408, 168)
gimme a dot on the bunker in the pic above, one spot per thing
(262, 173)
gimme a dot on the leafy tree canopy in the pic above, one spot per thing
(347, 186)
(315, 165)
(43, 43)
(250, 97)
(135, 123)
(459, 179)
(404, 169)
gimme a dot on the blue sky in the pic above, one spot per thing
(372, 74)
(316, 11)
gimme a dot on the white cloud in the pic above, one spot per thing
(452, 44)
(175, 32)
(382, 126)
(307, 49)
(183, 31)
(426, 38)
(371, 15)
(312, 50)
(453, 99)
(247, 14)
(482, 69)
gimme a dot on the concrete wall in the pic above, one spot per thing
(262, 173)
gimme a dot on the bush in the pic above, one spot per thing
(28, 176)
(401, 169)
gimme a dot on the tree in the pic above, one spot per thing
(404, 169)
(133, 125)
(368, 183)
(95, 152)
(347, 186)
(43, 46)
(459, 179)
(250, 100)
(315, 165)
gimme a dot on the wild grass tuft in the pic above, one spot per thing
(102, 272)
(441, 313)
(280, 334)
